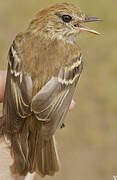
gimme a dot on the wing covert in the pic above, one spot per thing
(18, 91)
(52, 102)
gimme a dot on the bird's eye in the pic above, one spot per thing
(66, 18)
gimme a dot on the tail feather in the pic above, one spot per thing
(47, 163)
(2, 118)
(19, 154)
(32, 153)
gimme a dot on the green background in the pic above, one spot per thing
(88, 145)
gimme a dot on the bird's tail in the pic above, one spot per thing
(32, 153)
(46, 158)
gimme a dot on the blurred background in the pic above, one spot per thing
(88, 144)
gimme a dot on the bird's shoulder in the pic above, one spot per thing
(42, 58)
(39, 51)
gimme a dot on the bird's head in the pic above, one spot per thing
(62, 21)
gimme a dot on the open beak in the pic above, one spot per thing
(88, 19)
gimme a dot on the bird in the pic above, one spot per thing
(44, 66)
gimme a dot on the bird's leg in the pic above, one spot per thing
(62, 126)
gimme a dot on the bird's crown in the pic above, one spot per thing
(62, 21)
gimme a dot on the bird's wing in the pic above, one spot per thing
(51, 103)
(18, 92)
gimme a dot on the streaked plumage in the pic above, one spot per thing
(44, 66)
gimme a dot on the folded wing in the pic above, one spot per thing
(52, 102)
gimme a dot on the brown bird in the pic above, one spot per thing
(44, 66)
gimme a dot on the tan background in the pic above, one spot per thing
(88, 145)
